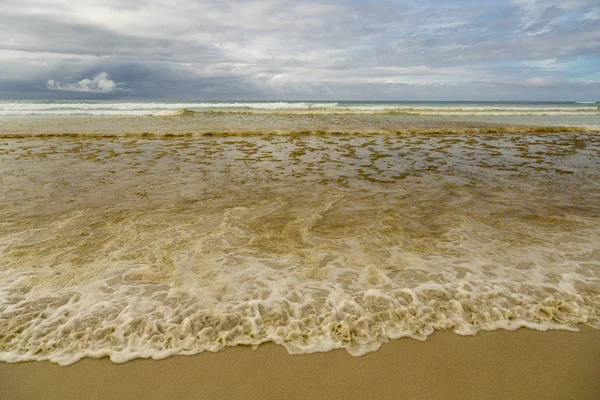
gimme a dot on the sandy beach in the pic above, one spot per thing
(525, 364)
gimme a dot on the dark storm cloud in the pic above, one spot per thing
(344, 49)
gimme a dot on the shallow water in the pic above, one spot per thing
(133, 247)
(288, 122)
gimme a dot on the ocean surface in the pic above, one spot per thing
(285, 223)
(140, 108)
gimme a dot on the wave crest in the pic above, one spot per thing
(156, 108)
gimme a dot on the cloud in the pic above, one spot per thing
(543, 82)
(98, 84)
(291, 49)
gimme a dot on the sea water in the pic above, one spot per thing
(140, 246)
(136, 107)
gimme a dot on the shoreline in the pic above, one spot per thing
(217, 241)
(525, 364)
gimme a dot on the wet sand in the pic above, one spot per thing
(524, 364)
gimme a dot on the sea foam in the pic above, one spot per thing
(147, 248)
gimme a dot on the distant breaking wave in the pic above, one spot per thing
(16, 108)
(118, 108)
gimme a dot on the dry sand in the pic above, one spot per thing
(524, 364)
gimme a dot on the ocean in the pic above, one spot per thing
(146, 229)
(139, 108)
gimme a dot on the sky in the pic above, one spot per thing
(300, 50)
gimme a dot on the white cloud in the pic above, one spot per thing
(548, 64)
(98, 84)
(543, 82)
(592, 15)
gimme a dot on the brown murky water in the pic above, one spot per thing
(137, 247)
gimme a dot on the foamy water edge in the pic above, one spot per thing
(155, 275)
